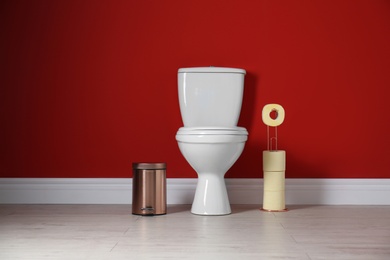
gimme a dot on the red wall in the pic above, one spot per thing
(88, 87)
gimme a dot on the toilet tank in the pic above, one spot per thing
(210, 96)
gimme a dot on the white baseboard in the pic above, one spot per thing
(181, 191)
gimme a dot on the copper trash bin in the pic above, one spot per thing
(149, 189)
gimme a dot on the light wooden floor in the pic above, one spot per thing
(112, 232)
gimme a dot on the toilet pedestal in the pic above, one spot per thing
(211, 196)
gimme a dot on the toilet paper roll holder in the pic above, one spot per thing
(272, 142)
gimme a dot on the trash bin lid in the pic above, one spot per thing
(149, 166)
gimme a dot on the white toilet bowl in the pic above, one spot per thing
(211, 152)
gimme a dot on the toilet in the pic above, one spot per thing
(210, 101)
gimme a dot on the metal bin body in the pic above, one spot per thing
(149, 189)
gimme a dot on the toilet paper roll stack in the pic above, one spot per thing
(274, 167)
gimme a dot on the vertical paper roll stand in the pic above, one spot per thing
(274, 162)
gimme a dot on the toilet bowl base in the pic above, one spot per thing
(211, 197)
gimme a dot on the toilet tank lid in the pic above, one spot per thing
(211, 69)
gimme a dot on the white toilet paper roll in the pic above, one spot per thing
(274, 201)
(267, 109)
(274, 161)
(274, 181)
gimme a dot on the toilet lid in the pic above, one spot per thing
(212, 131)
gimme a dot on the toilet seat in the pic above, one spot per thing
(212, 135)
(212, 131)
